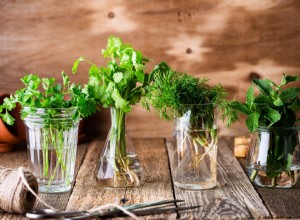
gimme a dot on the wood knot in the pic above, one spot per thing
(253, 76)
(188, 50)
(111, 15)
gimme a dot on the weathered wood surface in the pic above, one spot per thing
(230, 41)
(282, 203)
(233, 198)
(156, 184)
(19, 158)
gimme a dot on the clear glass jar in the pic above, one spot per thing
(119, 164)
(194, 163)
(274, 158)
(52, 136)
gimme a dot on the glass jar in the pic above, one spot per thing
(194, 163)
(52, 136)
(274, 158)
(119, 164)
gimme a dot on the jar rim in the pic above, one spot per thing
(70, 108)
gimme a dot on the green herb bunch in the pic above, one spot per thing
(47, 108)
(121, 83)
(173, 93)
(273, 111)
(192, 103)
(275, 106)
(51, 96)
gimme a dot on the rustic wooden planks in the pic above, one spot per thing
(234, 197)
(282, 203)
(156, 186)
(19, 158)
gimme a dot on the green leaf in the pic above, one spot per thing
(271, 114)
(113, 48)
(242, 107)
(252, 121)
(66, 79)
(262, 99)
(118, 77)
(76, 63)
(263, 85)
(287, 79)
(8, 119)
(278, 102)
(94, 76)
(289, 93)
(57, 88)
(119, 101)
(9, 104)
(250, 96)
(140, 76)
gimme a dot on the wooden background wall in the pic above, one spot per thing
(229, 41)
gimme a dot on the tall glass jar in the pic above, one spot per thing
(119, 164)
(274, 157)
(194, 163)
(52, 136)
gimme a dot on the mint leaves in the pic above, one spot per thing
(275, 106)
(46, 93)
(275, 109)
(121, 83)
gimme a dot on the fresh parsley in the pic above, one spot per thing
(46, 93)
(121, 83)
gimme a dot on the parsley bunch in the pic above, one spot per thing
(51, 95)
(121, 83)
(172, 93)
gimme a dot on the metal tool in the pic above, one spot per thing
(48, 213)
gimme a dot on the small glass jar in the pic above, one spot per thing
(194, 163)
(274, 157)
(52, 136)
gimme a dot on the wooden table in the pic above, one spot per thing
(234, 196)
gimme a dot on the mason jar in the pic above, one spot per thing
(52, 136)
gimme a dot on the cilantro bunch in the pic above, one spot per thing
(46, 93)
(173, 93)
(121, 83)
(275, 106)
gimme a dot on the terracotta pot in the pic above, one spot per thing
(10, 136)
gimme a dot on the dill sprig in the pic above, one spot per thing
(172, 93)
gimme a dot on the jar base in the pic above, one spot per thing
(54, 188)
(193, 186)
(110, 175)
(283, 180)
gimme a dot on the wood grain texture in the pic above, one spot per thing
(19, 158)
(234, 196)
(156, 184)
(230, 41)
(282, 203)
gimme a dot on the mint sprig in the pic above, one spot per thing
(275, 106)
